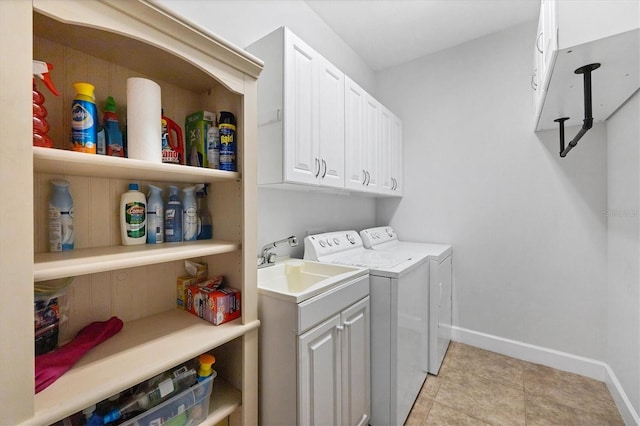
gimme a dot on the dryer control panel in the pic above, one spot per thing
(376, 236)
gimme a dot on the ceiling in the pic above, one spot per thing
(386, 33)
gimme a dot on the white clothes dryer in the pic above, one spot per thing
(397, 297)
(439, 282)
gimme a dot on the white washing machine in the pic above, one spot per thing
(397, 296)
(439, 283)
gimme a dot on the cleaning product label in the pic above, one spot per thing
(135, 219)
(227, 147)
(173, 223)
(60, 229)
(213, 147)
(84, 126)
(156, 225)
(190, 223)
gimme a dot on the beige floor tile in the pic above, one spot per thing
(543, 412)
(419, 412)
(487, 400)
(569, 389)
(490, 365)
(441, 415)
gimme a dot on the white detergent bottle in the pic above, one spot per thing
(60, 216)
(133, 216)
(155, 216)
(189, 214)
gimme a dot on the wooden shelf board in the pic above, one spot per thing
(142, 349)
(225, 399)
(48, 266)
(60, 161)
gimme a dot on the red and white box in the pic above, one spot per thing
(214, 305)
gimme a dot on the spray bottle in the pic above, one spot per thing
(155, 216)
(40, 125)
(114, 145)
(205, 227)
(173, 217)
(189, 214)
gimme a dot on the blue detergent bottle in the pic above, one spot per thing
(155, 216)
(173, 217)
(189, 214)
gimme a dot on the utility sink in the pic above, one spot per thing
(297, 280)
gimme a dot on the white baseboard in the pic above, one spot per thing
(551, 358)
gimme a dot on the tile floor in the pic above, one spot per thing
(478, 387)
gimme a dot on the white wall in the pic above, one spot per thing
(528, 228)
(623, 155)
(243, 22)
(282, 213)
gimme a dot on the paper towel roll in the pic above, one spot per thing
(144, 113)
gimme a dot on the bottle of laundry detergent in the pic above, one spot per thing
(60, 216)
(173, 217)
(113, 134)
(133, 216)
(84, 119)
(189, 214)
(155, 216)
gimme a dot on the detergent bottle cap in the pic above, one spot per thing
(133, 187)
(111, 104)
(86, 89)
(205, 360)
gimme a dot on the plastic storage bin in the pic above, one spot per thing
(188, 408)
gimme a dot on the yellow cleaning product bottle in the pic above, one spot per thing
(84, 119)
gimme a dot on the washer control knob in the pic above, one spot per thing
(390, 232)
(329, 242)
(351, 239)
(336, 241)
(322, 243)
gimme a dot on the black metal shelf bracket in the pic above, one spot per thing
(588, 115)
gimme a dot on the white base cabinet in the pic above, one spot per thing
(105, 42)
(315, 358)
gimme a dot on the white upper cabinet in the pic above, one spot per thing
(301, 114)
(573, 34)
(316, 126)
(390, 152)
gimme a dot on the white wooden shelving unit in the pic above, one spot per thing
(105, 42)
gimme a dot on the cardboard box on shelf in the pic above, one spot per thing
(214, 305)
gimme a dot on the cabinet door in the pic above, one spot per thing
(397, 152)
(356, 364)
(331, 124)
(355, 174)
(386, 151)
(371, 143)
(319, 397)
(549, 16)
(301, 162)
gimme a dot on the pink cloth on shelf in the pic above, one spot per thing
(52, 365)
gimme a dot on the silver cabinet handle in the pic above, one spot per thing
(538, 42)
(317, 167)
(339, 327)
(368, 178)
(364, 177)
(534, 85)
(324, 163)
(394, 184)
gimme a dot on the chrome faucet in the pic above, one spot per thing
(267, 258)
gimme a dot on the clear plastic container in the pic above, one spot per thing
(189, 407)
